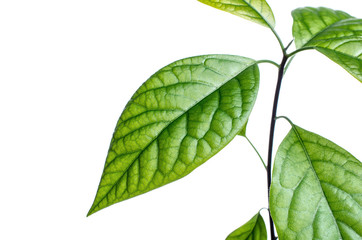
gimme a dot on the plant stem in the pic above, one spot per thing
(271, 135)
(288, 63)
(299, 50)
(268, 61)
(278, 38)
(261, 159)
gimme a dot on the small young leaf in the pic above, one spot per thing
(179, 118)
(316, 189)
(253, 10)
(254, 229)
(336, 34)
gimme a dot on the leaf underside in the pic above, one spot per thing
(335, 34)
(254, 229)
(316, 190)
(257, 11)
(180, 117)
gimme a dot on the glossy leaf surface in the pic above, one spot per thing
(253, 10)
(316, 190)
(334, 33)
(180, 117)
(254, 229)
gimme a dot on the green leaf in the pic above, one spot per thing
(243, 130)
(254, 229)
(336, 34)
(180, 117)
(316, 190)
(253, 10)
(309, 22)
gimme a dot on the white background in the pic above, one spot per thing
(67, 68)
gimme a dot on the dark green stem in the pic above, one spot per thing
(271, 134)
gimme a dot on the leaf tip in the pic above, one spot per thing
(90, 212)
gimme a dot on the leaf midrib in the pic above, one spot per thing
(261, 16)
(181, 115)
(322, 31)
(315, 174)
(256, 11)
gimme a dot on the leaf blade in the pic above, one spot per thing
(335, 34)
(316, 189)
(254, 229)
(175, 121)
(309, 21)
(257, 11)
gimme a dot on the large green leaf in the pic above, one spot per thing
(336, 34)
(254, 229)
(253, 10)
(180, 117)
(316, 190)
